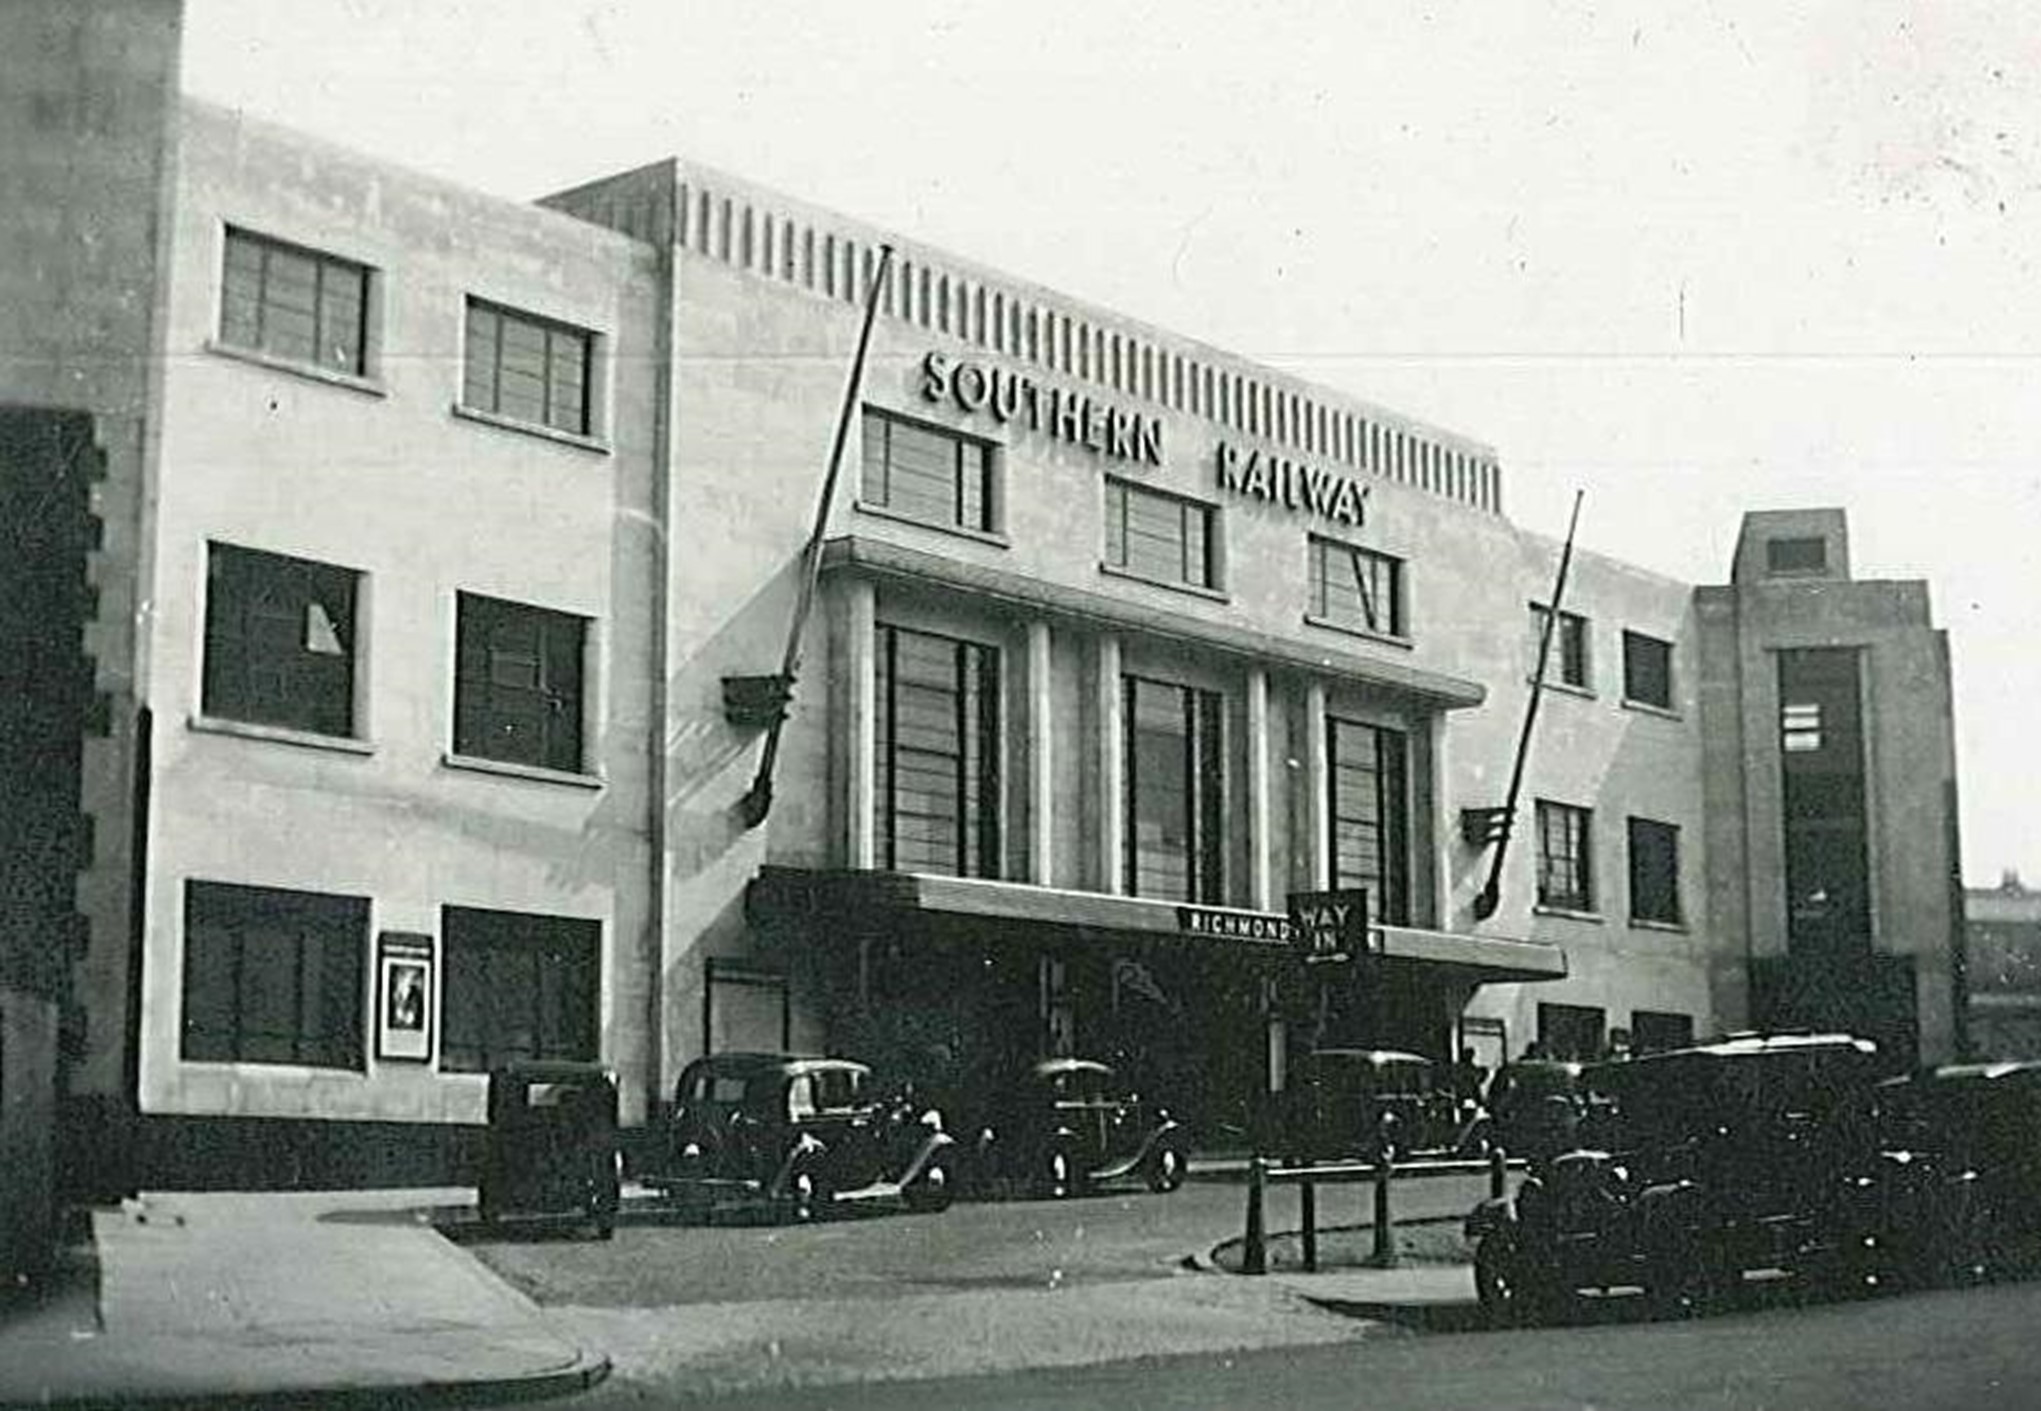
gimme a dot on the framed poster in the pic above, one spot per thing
(404, 998)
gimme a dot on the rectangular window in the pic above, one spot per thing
(1647, 670)
(273, 976)
(1655, 1031)
(1370, 814)
(1798, 555)
(938, 766)
(1565, 857)
(1356, 588)
(518, 986)
(1158, 536)
(279, 641)
(1174, 792)
(290, 302)
(528, 368)
(927, 474)
(517, 683)
(1566, 660)
(1822, 778)
(1578, 1032)
(1654, 872)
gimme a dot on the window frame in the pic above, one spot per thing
(1569, 621)
(264, 911)
(876, 492)
(1120, 495)
(1203, 800)
(229, 334)
(1579, 854)
(1640, 886)
(1389, 884)
(1633, 639)
(588, 424)
(975, 712)
(267, 692)
(474, 669)
(500, 941)
(1781, 549)
(1321, 550)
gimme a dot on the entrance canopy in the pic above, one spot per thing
(786, 898)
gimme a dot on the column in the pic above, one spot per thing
(1317, 789)
(861, 725)
(1434, 905)
(1261, 889)
(1041, 759)
(1111, 762)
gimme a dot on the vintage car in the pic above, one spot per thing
(551, 1145)
(1365, 1103)
(799, 1134)
(1531, 1107)
(1755, 1152)
(1063, 1125)
(1964, 1142)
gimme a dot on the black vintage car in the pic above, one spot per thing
(1532, 1107)
(799, 1134)
(1064, 1124)
(1363, 1103)
(551, 1147)
(1756, 1152)
(1964, 1140)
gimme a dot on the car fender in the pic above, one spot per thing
(1167, 1133)
(1494, 1216)
(806, 1151)
(929, 1151)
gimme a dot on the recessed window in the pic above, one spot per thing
(1647, 670)
(1370, 813)
(528, 368)
(518, 986)
(1798, 555)
(938, 765)
(294, 303)
(1655, 1031)
(1654, 872)
(517, 683)
(1163, 537)
(1356, 588)
(1566, 660)
(272, 976)
(1578, 1032)
(279, 641)
(1565, 857)
(1175, 791)
(927, 474)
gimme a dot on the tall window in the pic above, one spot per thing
(1647, 670)
(927, 474)
(1370, 815)
(1821, 769)
(527, 368)
(294, 303)
(517, 683)
(1565, 857)
(1356, 588)
(1174, 792)
(1654, 872)
(518, 986)
(1566, 661)
(1159, 536)
(938, 766)
(280, 641)
(273, 976)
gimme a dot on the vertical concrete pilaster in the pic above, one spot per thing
(1317, 789)
(861, 729)
(1041, 758)
(1261, 892)
(1112, 778)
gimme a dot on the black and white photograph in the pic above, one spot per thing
(929, 705)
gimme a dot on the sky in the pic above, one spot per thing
(1691, 259)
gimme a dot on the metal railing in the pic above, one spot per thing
(1308, 1176)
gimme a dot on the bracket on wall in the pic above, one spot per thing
(757, 700)
(1481, 826)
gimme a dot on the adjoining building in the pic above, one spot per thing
(2002, 968)
(464, 523)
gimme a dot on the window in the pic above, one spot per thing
(1802, 555)
(927, 474)
(1159, 536)
(517, 683)
(1565, 867)
(1174, 792)
(294, 303)
(518, 986)
(273, 976)
(1566, 661)
(279, 641)
(1652, 1031)
(1822, 778)
(528, 369)
(1654, 872)
(1647, 670)
(1572, 1031)
(1356, 588)
(1370, 815)
(938, 766)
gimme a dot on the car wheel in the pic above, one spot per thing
(933, 1189)
(1500, 1284)
(1166, 1169)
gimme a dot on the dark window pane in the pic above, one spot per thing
(1174, 791)
(293, 303)
(1654, 871)
(938, 783)
(1647, 670)
(518, 986)
(273, 976)
(1370, 815)
(1565, 873)
(517, 683)
(279, 641)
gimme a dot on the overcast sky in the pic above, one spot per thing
(1691, 258)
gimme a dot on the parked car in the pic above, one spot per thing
(799, 1134)
(1365, 1103)
(551, 1148)
(1751, 1153)
(1065, 1124)
(1965, 1141)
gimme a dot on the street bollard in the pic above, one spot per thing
(1254, 1253)
(1498, 1173)
(1384, 1256)
(1308, 1199)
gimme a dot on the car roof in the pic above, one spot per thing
(2001, 1071)
(744, 1061)
(1378, 1056)
(1049, 1067)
